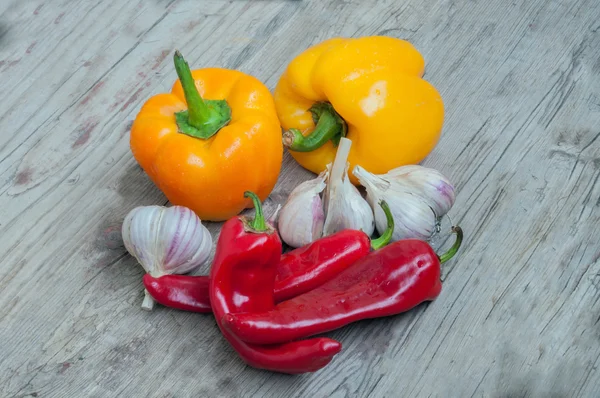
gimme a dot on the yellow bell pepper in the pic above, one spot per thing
(369, 89)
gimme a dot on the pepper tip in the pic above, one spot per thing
(331, 347)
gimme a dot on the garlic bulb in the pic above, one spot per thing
(300, 220)
(418, 197)
(427, 183)
(306, 217)
(344, 206)
(166, 240)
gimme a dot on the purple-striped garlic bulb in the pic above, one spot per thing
(417, 196)
(166, 240)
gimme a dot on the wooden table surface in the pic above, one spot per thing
(519, 314)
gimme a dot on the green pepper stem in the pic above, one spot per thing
(452, 251)
(258, 223)
(202, 118)
(329, 126)
(386, 237)
(198, 112)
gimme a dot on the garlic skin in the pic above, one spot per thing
(417, 197)
(306, 217)
(300, 220)
(431, 185)
(345, 207)
(166, 240)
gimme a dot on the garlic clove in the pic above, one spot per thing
(139, 228)
(166, 240)
(345, 207)
(300, 220)
(185, 242)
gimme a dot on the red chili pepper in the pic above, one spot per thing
(242, 278)
(386, 282)
(298, 271)
(184, 292)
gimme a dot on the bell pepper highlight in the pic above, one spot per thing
(387, 282)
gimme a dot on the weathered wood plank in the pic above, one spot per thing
(519, 314)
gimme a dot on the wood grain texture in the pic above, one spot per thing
(520, 311)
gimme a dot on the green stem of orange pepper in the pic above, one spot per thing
(203, 118)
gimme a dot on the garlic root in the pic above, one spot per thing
(148, 303)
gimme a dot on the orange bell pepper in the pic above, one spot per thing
(369, 89)
(205, 153)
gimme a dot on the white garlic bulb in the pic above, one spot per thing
(429, 184)
(344, 206)
(166, 240)
(300, 220)
(306, 217)
(417, 197)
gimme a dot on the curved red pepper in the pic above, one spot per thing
(184, 292)
(242, 279)
(298, 271)
(386, 282)
(307, 267)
